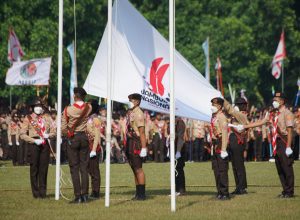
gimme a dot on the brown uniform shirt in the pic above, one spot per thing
(220, 124)
(13, 129)
(285, 120)
(71, 114)
(137, 119)
(198, 129)
(93, 130)
(28, 132)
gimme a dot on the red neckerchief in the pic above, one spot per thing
(211, 130)
(127, 120)
(274, 120)
(79, 106)
(39, 126)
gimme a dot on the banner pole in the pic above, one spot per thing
(172, 103)
(10, 99)
(282, 80)
(59, 99)
(108, 120)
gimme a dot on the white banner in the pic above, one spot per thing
(32, 72)
(140, 64)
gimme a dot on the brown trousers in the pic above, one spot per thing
(284, 167)
(14, 150)
(78, 154)
(94, 172)
(220, 168)
(39, 161)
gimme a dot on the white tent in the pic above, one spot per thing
(140, 64)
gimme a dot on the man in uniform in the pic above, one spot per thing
(93, 133)
(282, 121)
(158, 146)
(219, 136)
(74, 122)
(237, 144)
(35, 130)
(136, 148)
(4, 140)
(13, 133)
(179, 156)
(198, 134)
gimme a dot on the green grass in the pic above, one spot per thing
(16, 201)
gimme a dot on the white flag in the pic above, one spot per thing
(73, 76)
(31, 72)
(140, 64)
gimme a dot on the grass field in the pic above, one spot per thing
(16, 201)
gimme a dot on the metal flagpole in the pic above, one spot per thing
(108, 120)
(208, 69)
(172, 103)
(59, 97)
(75, 44)
(282, 80)
(10, 99)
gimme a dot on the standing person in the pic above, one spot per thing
(237, 144)
(53, 115)
(282, 121)
(4, 138)
(198, 139)
(35, 131)
(74, 123)
(219, 159)
(22, 155)
(93, 133)
(136, 149)
(158, 138)
(179, 156)
(13, 133)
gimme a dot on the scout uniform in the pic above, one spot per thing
(135, 120)
(35, 127)
(4, 140)
(198, 134)
(13, 133)
(158, 139)
(179, 147)
(93, 133)
(219, 143)
(74, 123)
(237, 144)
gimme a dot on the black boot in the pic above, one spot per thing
(141, 195)
(137, 188)
(95, 195)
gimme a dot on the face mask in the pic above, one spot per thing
(275, 104)
(130, 105)
(214, 109)
(236, 108)
(38, 110)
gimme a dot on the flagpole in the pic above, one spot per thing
(10, 99)
(172, 102)
(59, 98)
(108, 121)
(282, 80)
(75, 44)
(208, 69)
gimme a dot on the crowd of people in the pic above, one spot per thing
(27, 127)
(197, 135)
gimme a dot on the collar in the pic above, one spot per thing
(79, 104)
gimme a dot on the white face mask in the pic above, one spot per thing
(275, 104)
(214, 109)
(38, 110)
(236, 108)
(130, 105)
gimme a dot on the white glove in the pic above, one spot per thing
(10, 144)
(143, 152)
(288, 151)
(208, 138)
(240, 128)
(38, 141)
(178, 155)
(92, 154)
(224, 154)
(46, 136)
(17, 143)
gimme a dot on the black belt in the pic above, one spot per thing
(79, 132)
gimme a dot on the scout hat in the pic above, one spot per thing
(218, 101)
(135, 96)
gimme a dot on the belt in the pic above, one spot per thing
(79, 132)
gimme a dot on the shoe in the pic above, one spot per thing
(243, 192)
(236, 191)
(225, 197)
(137, 188)
(94, 195)
(218, 196)
(85, 198)
(288, 196)
(77, 200)
(282, 195)
(141, 196)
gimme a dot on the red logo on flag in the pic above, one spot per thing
(156, 76)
